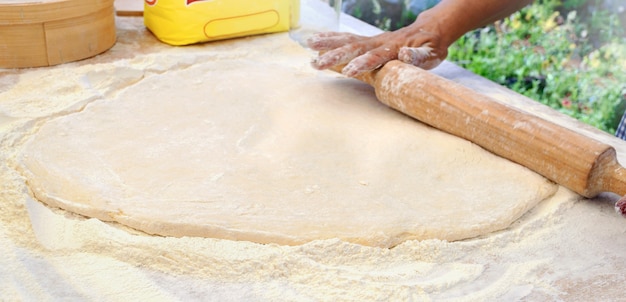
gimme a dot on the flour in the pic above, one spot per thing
(563, 249)
(95, 260)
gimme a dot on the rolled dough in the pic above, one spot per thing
(271, 152)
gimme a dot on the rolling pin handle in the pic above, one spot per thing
(620, 206)
(616, 179)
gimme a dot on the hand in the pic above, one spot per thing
(418, 44)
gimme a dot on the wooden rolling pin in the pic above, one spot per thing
(575, 161)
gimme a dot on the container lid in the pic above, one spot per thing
(38, 11)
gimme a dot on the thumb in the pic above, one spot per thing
(424, 56)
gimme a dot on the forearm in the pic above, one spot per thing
(454, 18)
(424, 43)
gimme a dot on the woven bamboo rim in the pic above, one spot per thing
(50, 32)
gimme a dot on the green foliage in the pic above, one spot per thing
(573, 4)
(386, 15)
(569, 55)
(572, 64)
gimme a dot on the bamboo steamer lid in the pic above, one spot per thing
(37, 33)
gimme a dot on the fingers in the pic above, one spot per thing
(424, 56)
(331, 40)
(359, 60)
(412, 46)
(363, 53)
(369, 61)
(338, 56)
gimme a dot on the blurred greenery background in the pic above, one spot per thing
(569, 55)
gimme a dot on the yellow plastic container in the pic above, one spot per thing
(182, 22)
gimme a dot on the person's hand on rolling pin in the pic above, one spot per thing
(424, 43)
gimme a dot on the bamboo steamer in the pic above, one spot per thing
(36, 33)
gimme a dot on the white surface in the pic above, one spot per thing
(563, 249)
